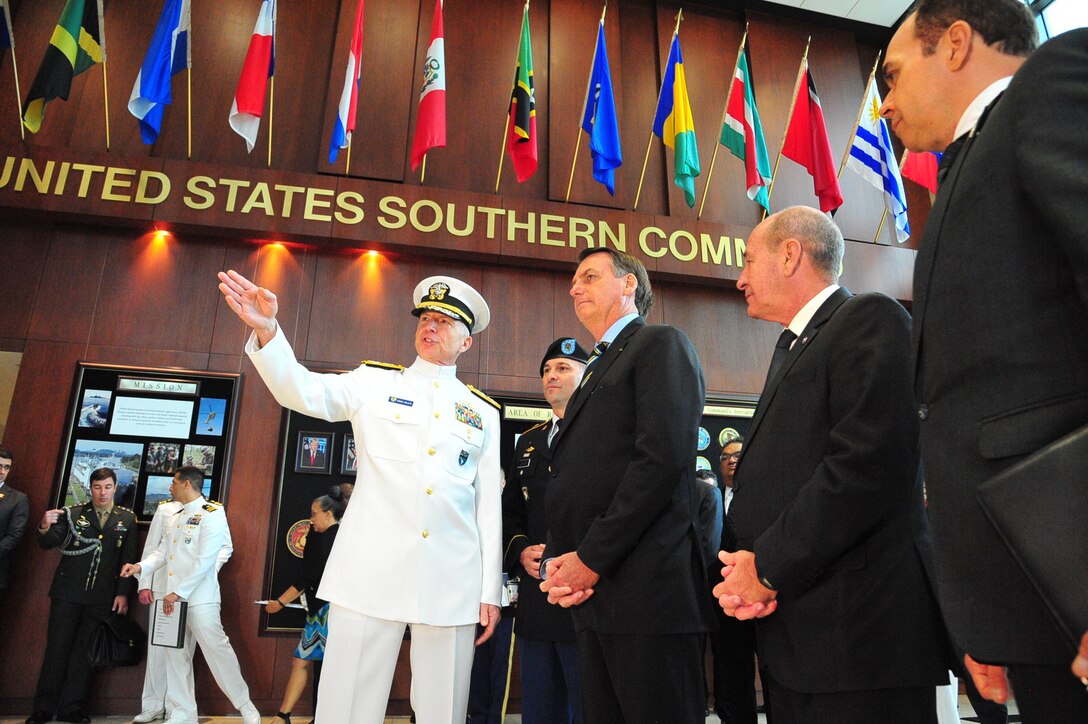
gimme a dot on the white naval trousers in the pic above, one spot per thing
(204, 628)
(153, 697)
(361, 655)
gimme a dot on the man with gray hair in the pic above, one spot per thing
(832, 543)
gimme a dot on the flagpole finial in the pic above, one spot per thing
(679, 19)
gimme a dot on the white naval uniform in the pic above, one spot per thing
(153, 698)
(192, 544)
(421, 542)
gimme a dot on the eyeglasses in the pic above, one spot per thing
(730, 456)
(5, 466)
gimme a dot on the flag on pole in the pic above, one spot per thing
(742, 133)
(349, 97)
(807, 142)
(76, 45)
(431, 119)
(7, 40)
(599, 118)
(521, 141)
(921, 168)
(871, 155)
(169, 54)
(259, 66)
(674, 125)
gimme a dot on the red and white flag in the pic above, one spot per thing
(807, 142)
(259, 66)
(431, 120)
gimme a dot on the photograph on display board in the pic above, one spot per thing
(145, 423)
(314, 452)
(199, 456)
(162, 457)
(124, 458)
(210, 416)
(349, 461)
(95, 408)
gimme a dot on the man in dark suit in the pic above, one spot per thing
(95, 539)
(1000, 309)
(551, 689)
(734, 642)
(623, 541)
(827, 506)
(313, 456)
(14, 512)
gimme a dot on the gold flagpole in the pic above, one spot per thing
(589, 82)
(646, 158)
(728, 96)
(879, 228)
(423, 170)
(789, 117)
(106, 103)
(189, 109)
(15, 70)
(271, 105)
(861, 109)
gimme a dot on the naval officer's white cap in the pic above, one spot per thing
(453, 298)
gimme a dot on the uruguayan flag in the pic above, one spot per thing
(169, 54)
(871, 156)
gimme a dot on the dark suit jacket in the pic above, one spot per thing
(710, 523)
(525, 523)
(14, 511)
(1000, 341)
(119, 546)
(623, 485)
(828, 495)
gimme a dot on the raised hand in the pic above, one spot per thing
(256, 306)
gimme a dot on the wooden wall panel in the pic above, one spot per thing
(24, 249)
(64, 306)
(640, 38)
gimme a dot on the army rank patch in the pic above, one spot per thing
(468, 416)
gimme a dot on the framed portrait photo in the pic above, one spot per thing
(349, 460)
(314, 452)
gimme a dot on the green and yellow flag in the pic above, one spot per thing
(673, 122)
(76, 45)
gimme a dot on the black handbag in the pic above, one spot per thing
(117, 641)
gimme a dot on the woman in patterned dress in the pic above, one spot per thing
(325, 514)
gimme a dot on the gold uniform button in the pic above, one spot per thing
(430, 491)
(431, 451)
(171, 573)
(437, 414)
(424, 535)
(396, 417)
(171, 558)
(436, 383)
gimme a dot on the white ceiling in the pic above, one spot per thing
(876, 12)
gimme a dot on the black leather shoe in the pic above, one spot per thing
(75, 717)
(39, 717)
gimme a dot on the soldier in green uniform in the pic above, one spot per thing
(95, 540)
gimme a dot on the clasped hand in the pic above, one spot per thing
(740, 594)
(569, 581)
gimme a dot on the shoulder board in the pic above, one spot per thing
(537, 426)
(123, 509)
(212, 506)
(383, 365)
(484, 397)
(164, 502)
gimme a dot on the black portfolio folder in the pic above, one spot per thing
(1040, 508)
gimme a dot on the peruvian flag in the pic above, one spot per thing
(431, 120)
(349, 97)
(245, 113)
(807, 142)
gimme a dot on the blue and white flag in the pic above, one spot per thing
(168, 54)
(599, 118)
(871, 156)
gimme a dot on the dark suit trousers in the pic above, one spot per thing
(641, 679)
(1048, 694)
(906, 705)
(65, 674)
(734, 647)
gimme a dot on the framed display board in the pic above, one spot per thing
(144, 423)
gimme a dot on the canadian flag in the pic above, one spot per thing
(245, 112)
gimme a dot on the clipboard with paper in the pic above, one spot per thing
(169, 630)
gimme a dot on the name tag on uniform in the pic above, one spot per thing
(400, 401)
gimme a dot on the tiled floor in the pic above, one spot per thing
(966, 712)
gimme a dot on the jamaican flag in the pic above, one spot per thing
(76, 45)
(521, 142)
